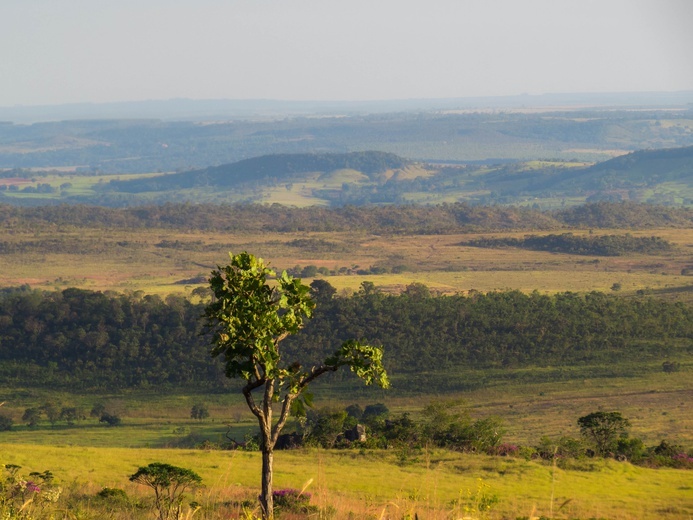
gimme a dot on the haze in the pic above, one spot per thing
(70, 51)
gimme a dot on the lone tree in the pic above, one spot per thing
(604, 429)
(250, 318)
(169, 483)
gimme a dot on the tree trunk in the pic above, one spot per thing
(266, 498)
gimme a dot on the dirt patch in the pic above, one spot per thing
(11, 181)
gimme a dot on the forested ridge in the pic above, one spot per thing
(258, 169)
(83, 339)
(440, 219)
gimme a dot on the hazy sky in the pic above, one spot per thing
(64, 51)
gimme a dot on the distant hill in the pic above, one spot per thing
(279, 167)
(635, 170)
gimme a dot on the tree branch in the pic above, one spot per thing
(247, 392)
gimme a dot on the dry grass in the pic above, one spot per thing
(436, 260)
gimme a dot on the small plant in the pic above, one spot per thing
(25, 497)
(114, 495)
(169, 483)
(478, 502)
(293, 500)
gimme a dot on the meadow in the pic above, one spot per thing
(433, 485)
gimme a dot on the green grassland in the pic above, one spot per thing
(434, 485)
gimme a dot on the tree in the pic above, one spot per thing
(604, 429)
(70, 414)
(169, 483)
(249, 319)
(52, 411)
(31, 417)
(322, 290)
(199, 411)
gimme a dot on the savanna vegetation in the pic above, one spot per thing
(85, 339)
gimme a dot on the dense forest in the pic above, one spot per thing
(83, 339)
(440, 219)
(604, 245)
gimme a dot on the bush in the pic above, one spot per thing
(630, 449)
(114, 495)
(294, 501)
(110, 419)
(199, 411)
(5, 423)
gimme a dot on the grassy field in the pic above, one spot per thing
(378, 485)
(389, 484)
(657, 404)
(160, 261)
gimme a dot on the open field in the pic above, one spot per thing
(657, 404)
(434, 484)
(160, 261)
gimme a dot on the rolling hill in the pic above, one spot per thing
(264, 169)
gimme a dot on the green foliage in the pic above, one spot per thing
(249, 319)
(563, 447)
(168, 483)
(604, 429)
(446, 425)
(83, 339)
(32, 416)
(323, 426)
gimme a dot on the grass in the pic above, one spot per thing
(656, 403)
(434, 484)
(100, 261)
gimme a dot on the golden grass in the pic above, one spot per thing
(437, 260)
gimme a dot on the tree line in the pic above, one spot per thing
(604, 245)
(84, 339)
(406, 219)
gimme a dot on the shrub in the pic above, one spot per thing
(293, 500)
(110, 419)
(5, 423)
(199, 411)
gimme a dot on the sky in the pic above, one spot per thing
(74, 51)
